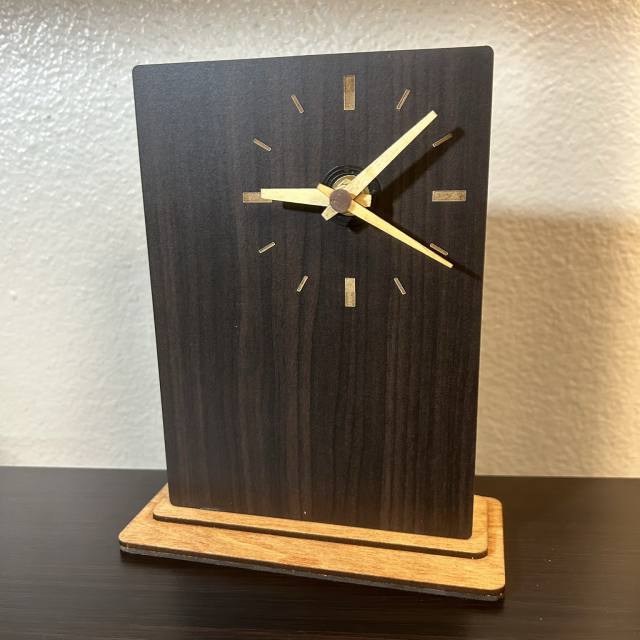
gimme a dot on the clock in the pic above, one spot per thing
(316, 230)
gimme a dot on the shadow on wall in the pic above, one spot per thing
(560, 359)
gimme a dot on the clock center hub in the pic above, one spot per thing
(338, 178)
(340, 200)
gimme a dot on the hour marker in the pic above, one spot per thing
(297, 103)
(266, 147)
(302, 283)
(449, 196)
(349, 292)
(267, 247)
(404, 97)
(447, 137)
(253, 196)
(399, 285)
(349, 85)
(438, 249)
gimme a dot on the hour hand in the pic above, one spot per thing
(296, 196)
(306, 196)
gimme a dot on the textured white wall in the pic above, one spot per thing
(560, 373)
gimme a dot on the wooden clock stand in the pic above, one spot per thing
(471, 568)
(319, 381)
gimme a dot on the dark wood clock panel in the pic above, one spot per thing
(285, 402)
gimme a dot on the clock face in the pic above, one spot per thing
(312, 368)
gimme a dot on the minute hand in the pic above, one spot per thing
(360, 182)
(383, 225)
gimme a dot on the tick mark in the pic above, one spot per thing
(302, 283)
(253, 196)
(404, 97)
(297, 103)
(267, 247)
(438, 249)
(349, 88)
(400, 287)
(447, 137)
(449, 196)
(349, 292)
(266, 147)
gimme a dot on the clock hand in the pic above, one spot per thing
(339, 198)
(368, 174)
(306, 196)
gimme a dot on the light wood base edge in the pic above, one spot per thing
(480, 579)
(319, 576)
(475, 546)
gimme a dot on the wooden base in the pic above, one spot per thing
(472, 568)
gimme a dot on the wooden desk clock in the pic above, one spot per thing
(316, 231)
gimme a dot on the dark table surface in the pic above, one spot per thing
(572, 550)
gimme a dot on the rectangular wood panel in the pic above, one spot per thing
(287, 403)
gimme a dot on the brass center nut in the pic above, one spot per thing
(340, 200)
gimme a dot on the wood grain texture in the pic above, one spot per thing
(478, 578)
(292, 405)
(572, 560)
(474, 547)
